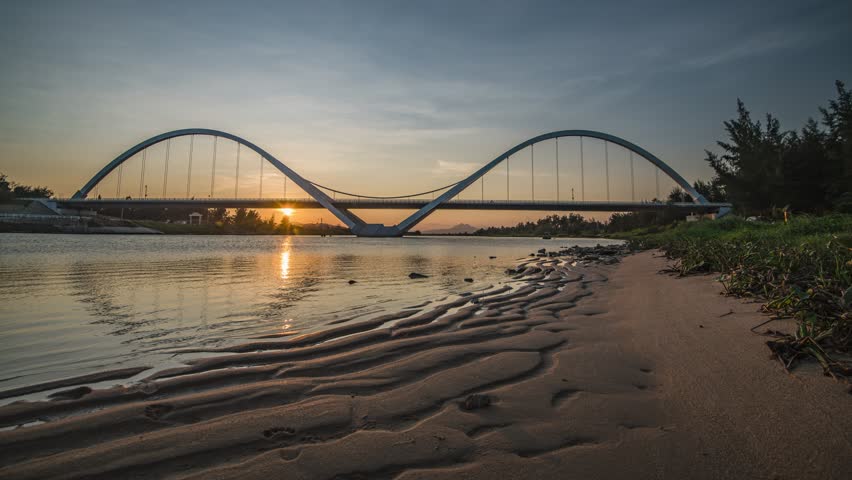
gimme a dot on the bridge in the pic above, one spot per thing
(341, 204)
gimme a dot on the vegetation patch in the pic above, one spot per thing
(801, 269)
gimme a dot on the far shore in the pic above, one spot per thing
(145, 227)
(577, 367)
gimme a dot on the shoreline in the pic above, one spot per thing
(600, 370)
(150, 230)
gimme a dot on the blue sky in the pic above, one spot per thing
(392, 97)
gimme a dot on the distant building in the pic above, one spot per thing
(195, 218)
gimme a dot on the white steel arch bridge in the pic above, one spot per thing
(446, 197)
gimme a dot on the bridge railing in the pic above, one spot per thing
(183, 199)
(372, 202)
(356, 200)
(347, 200)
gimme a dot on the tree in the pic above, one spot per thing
(713, 190)
(678, 195)
(762, 166)
(806, 171)
(218, 215)
(750, 167)
(838, 120)
(5, 189)
(284, 226)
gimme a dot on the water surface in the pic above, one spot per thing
(76, 304)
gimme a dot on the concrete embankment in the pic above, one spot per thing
(46, 223)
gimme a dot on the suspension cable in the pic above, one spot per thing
(384, 198)
(606, 166)
(557, 168)
(142, 173)
(118, 185)
(582, 176)
(166, 169)
(213, 170)
(189, 168)
(657, 180)
(237, 177)
(632, 180)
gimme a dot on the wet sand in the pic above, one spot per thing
(596, 371)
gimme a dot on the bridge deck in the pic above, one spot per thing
(405, 204)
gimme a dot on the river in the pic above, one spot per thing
(76, 304)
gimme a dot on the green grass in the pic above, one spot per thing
(801, 270)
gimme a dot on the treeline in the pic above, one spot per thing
(575, 225)
(10, 190)
(570, 225)
(222, 220)
(762, 167)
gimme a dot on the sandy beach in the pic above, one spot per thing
(579, 371)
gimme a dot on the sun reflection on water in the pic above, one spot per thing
(285, 257)
(285, 264)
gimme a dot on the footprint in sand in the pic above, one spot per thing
(288, 454)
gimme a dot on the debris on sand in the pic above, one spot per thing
(414, 275)
(607, 255)
(476, 401)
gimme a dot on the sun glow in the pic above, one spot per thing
(287, 211)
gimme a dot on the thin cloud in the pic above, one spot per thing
(755, 46)
(444, 167)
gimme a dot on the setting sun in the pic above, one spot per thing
(286, 211)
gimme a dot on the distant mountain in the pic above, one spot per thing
(457, 229)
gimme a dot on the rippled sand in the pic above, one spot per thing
(588, 371)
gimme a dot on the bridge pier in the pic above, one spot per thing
(376, 230)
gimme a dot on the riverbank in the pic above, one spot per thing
(74, 224)
(800, 269)
(108, 225)
(575, 369)
(232, 229)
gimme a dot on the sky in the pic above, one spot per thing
(387, 98)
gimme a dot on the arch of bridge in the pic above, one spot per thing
(421, 214)
(350, 219)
